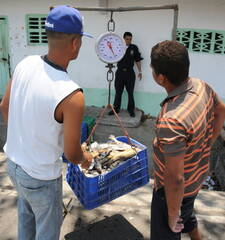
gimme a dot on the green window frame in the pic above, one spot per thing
(36, 34)
(202, 40)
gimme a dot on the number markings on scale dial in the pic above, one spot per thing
(110, 48)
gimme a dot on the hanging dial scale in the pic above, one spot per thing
(110, 47)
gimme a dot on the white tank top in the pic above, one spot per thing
(34, 137)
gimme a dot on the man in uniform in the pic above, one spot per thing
(125, 75)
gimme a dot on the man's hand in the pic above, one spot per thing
(140, 76)
(175, 224)
(88, 158)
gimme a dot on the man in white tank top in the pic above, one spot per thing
(44, 109)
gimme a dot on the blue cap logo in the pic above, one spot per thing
(49, 25)
(65, 19)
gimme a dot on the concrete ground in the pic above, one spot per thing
(126, 218)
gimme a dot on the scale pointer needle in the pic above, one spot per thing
(109, 44)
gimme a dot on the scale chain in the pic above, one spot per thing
(110, 77)
(111, 23)
(110, 74)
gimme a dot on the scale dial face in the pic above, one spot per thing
(110, 47)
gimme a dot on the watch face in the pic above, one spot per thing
(110, 48)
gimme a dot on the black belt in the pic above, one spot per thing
(125, 69)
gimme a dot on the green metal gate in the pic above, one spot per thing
(4, 55)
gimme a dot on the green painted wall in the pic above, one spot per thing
(148, 102)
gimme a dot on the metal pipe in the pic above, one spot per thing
(175, 23)
(126, 9)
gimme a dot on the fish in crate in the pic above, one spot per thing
(107, 156)
(119, 166)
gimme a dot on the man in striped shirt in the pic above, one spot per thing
(190, 120)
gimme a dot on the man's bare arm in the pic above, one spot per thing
(72, 110)
(4, 105)
(219, 119)
(139, 70)
(174, 189)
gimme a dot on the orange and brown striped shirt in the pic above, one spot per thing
(185, 125)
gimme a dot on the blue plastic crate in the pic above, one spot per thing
(84, 132)
(84, 136)
(128, 176)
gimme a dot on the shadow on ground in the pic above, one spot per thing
(213, 230)
(110, 228)
(5, 184)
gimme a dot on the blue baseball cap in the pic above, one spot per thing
(65, 19)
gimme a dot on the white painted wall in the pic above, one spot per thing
(16, 12)
(87, 70)
(147, 27)
(202, 14)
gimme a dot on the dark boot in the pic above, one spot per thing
(132, 114)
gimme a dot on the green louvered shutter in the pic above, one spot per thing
(36, 29)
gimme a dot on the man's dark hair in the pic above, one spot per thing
(171, 59)
(129, 34)
(60, 35)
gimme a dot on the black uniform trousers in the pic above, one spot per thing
(124, 78)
